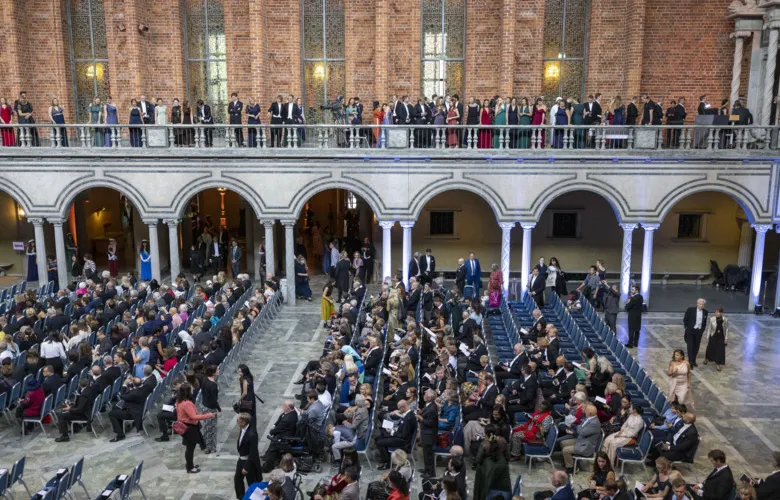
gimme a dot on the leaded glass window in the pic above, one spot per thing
(324, 50)
(565, 42)
(443, 47)
(88, 54)
(205, 52)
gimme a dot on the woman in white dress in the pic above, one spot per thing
(160, 112)
(630, 430)
(679, 373)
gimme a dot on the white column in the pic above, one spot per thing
(769, 74)
(736, 70)
(647, 261)
(758, 265)
(173, 243)
(40, 248)
(62, 256)
(289, 259)
(407, 251)
(525, 271)
(777, 290)
(506, 229)
(270, 266)
(154, 249)
(625, 261)
(745, 244)
(387, 263)
(254, 247)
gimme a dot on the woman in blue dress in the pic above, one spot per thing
(578, 118)
(513, 118)
(302, 288)
(32, 262)
(109, 111)
(252, 118)
(135, 119)
(96, 118)
(146, 261)
(561, 118)
(618, 118)
(56, 116)
(387, 119)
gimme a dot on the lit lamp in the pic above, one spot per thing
(19, 213)
(319, 71)
(552, 70)
(95, 71)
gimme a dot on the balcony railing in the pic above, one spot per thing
(395, 137)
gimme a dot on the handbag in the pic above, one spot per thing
(241, 406)
(179, 427)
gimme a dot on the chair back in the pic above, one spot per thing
(645, 442)
(136, 476)
(73, 386)
(4, 477)
(126, 488)
(47, 405)
(653, 394)
(17, 471)
(95, 410)
(552, 436)
(76, 470)
(106, 396)
(3, 400)
(62, 486)
(60, 397)
(16, 392)
(518, 489)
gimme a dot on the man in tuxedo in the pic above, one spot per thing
(289, 115)
(235, 107)
(566, 385)
(248, 467)
(147, 110)
(744, 114)
(473, 275)
(203, 116)
(57, 320)
(285, 427)
(695, 322)
(51, 381)
(560, 481)
(632, 112)
(235, 258)
(513, 368)
(769, 488)
(460, 276)
(429, 430)
(111, 372)
(216, 255)
(421, 116)
(427, 265)
(404, 111)
(634, 309)
(483, 406)
(81, 410)
(704, 106)
(536, 287)
(719, 482)
(682, 446)
(275, 113)
(131, 406)
(521, 394)
(368, 253)
(342, 276)
(648, 112)
(400, 437)
(414, 267)
(613, 491)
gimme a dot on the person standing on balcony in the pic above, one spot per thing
(275, 114)
(56, 116)
(161, 112)
(204, 117)
(632, 112)
(648, 111)
(24, 114)
(147, 110)
(96, 118)
(135, 119)
(235, 108)
(289, 113)
(109, 112)
(301, 120)
(252, 118)
(6, 118)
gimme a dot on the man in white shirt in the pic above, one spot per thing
(695, 323)
(554, 110)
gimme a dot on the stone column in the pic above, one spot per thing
(387, 262)
(777, 290)
(289, 259)
(736, 70)
(758, 265)
(407, 251)
(506, 229)
(769, 72)
(62, 255)
(647, 261)
(625, 261)
(40, 248)
(154, 248)
(269, 246)
(745, 244)
(173, 244)
(254, 247)
(525, 271)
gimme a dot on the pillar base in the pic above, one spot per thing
(776, 314)
(759, 310)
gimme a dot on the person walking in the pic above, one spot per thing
(718, 330)
(187, 414)
(248, 467)
(634, 309)
(695, 322)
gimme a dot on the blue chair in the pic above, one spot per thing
(543, 452)
(17, 475)
(4, 477)
(75, 477)
(634, 453)
(592, 458)
(518, 489)
(16, 392)
(135, 480)
(38, 419)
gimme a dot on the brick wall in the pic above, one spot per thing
(404, 48)
(528, 65)
(283, 59)
(359, 17)
(484, 29)
(607, 54)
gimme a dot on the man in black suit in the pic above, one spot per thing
(57, 320)
(613, 491)
(695, 322)
(414, 267)
(203, 116)
(512, 369)
(285, 427)
(51, 381)
(110, 371)
(521, 395)
(648, 112)
(704, 107)
(421, 116)
(483, 406)
(275, 115)
(633, 308)
(373, 358)
(429, 430)
(146, 110)
(216, 255)
(414, 297)
(235, 107)
(460, 275)
(290, 113)
(131, 404)
(368, 253)
(536, 287)
(719, 482)
(769, 488)
(682, 446)
(400, 437)
(404, 111)
(81, 410)
(566, 386)
(248, 467)
(632, 112)
(342, 276)
(427, 265)
(745, 116)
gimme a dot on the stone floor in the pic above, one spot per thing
(737, 412)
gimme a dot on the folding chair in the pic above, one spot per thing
(135, 479)
(75, 477)
(543, 452)
(45, 410)
(17, 476)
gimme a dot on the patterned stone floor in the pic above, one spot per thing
(737, 412)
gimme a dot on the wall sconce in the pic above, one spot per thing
(552, 70)
(20, 213)
(121, 27)
(319, 71)
(143, 28)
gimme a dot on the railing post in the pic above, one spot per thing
(82, 137)
(411, 138)
(228, 139)
(709, 138)
(89, 137)
(171, 137)
(263, 137)
(143, 137)
(55, 137)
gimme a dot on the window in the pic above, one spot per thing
(443, 47)
(204, 29)
(88, 54)
(351, 200)
(442, 223)
(324, 70)
(565, 42)
(564, 225)
(690, 226)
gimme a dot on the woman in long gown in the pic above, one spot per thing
(252, 120)
(499, 133)
(718, 339)
(96, 118)
(679, 373)
(6, 117)
(524, 118)
(160, 113)
(561, 118)
(377, 114)
(485, 134)
(358, 269)
(176, 120)
(135, 119)
(513, 118)
(452, 119)
(146, 261)
(113, 259)
(472, 119)
(317, 244)
(629, 431)
(32, 261)
(327, 306)
(495, 286)
(387, 119)
(302, 288)
(109, 111)
(58, 118)
(186, 119)
(539, 118)
(618, 119)
(578, 118)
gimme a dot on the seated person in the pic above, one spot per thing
(285, 427)
(399, 437)
(81, 410)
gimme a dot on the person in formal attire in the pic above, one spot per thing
(536, 284)
(246, 400)
(342, 275)
(6, 118)
(289, 116)
(216, 255)
(24, 115)
(113, 258)
(628, 431)
(57, 117)
(633, 309)
(769, 487)
(248, 467)
(275, 115)
(427, 267)
(302, 288)
(187, 413)
(586, 436)
(176, 119)
(80, 410)
(719, 482)
(203, 116)
(429, 428)
(562, 490)
(744, 114)
(695, 322)
(284, 427)
(460, 276)
(399, 437)
(32, 261)
(135, 119)
(235, 258)
(679, 373)
(718, 339)
(133, 396)
(252, 120)
(368, 254)
(611, 304)
(648, 111)
(473, 274)
(146, 261)
(95, 111)
(147, 110)
(632, 112)
(235, 108)
(704, 106)
(482, 407)
(160, 113)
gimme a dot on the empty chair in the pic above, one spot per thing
(135, 480)
(17, 475)
(75, 477)
(634, 453)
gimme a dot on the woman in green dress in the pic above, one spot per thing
(96, 117)
(525, 112)
(500, 119)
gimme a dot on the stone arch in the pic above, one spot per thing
(616, 201)
(65, 198)
(183, 197)
(744, 198)
(487, 195)
(369, 195)
(17, 194)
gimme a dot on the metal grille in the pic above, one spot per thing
(88, 54)
(443, 34)
(565, 48)
(324, 50)
(442, 223)
(206, 55)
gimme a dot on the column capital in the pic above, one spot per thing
(650, 226)
(150, 222)
(507, 226)
(527, 226)
(387, 224)
(628, 227)
(57, 221)
(741, 34)
(172, 222)
(761, 228)
(288, 223)
(407, 224)
(268, 224)
(36, 221)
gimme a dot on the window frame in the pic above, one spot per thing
(455, 234)
(584, 58)
(702, 227)
(578, 224)
(77, 113)
(442, 61)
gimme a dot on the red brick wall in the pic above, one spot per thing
(360, 15)
(404, 48)
(607, 56)
(484, 29)
(283, 38)
(381, 49)
(162, 47)
(124, 53)
(528, 48)
(238, 45)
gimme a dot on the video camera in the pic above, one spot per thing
(336, 109)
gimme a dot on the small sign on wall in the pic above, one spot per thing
(18, 246)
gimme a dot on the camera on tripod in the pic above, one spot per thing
(336, 109)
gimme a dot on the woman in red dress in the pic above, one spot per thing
(452, 119)
(485, 134)
(539, 118)
(6, 115)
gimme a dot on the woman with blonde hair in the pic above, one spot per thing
(718, 335)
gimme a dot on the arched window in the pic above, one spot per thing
(351, 201)
(88, 54)
(204, 28)
(324, 70)
(565, 48)
(443, 47)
